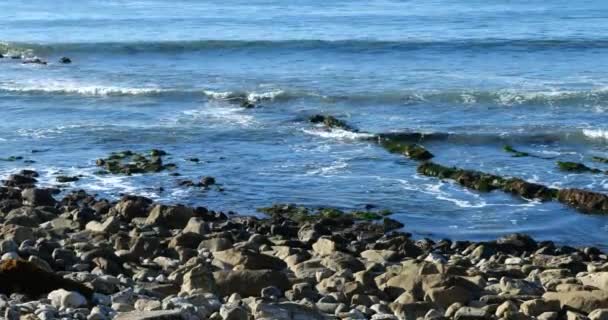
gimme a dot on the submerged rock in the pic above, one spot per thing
(65, 60)
(515, 153)
(331, 122)
(576, 167)
(128, 162)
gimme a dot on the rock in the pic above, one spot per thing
(233, 312)
(249, 283)
(598, 280)
(65, 60)
(505, 308)
(173, 217)
(548, 316)
(587, 201)
(538, 306)
(63, 299)
(469, 313)
(249, 259)
(17, 234)
(152, 315)
(444, 297)
(330, 122)
(598, 314)
(215, 244)
(17, 276)
(571, 315)
(324, 246)
(199, 278)
(38, 197)
(110, 225)
(196, 225)
(585, 301)
(285, 311)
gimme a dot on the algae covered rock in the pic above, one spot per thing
(516, 153)
(128, 162)
(576, 167)
(330, 122)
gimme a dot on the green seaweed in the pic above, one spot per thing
(515, 153)
(576, 167)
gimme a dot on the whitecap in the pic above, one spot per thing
(339, 134)
(596, 133)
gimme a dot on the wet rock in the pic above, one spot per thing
(587, 201)
(410, 150)
(65, 179)
(65, 60)
(515, 153)
(576, 167)
(330, 122)
(34, 61)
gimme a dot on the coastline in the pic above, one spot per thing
(135, 259)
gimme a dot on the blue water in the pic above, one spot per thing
(165, 74)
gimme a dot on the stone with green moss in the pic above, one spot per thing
(331, 122)
(576, 167)
(600, 159)
(515, 153)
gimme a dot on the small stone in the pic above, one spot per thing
(598, 314)
(233, 312)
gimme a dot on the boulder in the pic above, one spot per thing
(173, 217)
(152, 315)
(585, 301)
(38, 197)
(249, 259)
(249, 283)
(17, 276)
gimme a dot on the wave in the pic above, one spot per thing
(594, 98)
(596, 133)
(350, 45)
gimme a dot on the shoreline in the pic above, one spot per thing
(135, 259)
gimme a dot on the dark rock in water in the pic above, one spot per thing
(207, 181)
(194, 159)
(38, 197)
(20, 180)
(528, 190)
(1, 56)
(331, 122)
(65, 60)
(247, 104)
(12, 158)
(515, 153)
(412, 151)
(584, 200)
(391, 224)
(600, 159)
(576, 167)
(65, 179)
(128, 162)
(487, 182)
(34, 61)
(16, 57)
(17, 276)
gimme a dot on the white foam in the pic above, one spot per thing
(248, 96)
(332, 169)
(69, 87)
(339, 134)
(222, 115)
(596, 133)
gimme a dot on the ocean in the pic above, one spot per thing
(172, 75)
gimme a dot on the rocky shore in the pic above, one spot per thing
(81, 257)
